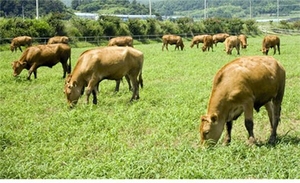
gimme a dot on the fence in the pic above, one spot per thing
(100, 40)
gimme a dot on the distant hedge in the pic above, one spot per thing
(53, 25)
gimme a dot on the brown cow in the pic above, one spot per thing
(58, 39)
(17, 42)
(208, 43)
(197, 39)
(232, 42)
(239, 86)
(121, 41)
(221, 37)
(270, 41)
(43, 55)
(111, 63)
(172, 39)
(243, 40)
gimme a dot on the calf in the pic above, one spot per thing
(270, 41)
(172, 39)
(207, 43)
(43, 55)
(121, 41)
(197, 39)
(242, 85)
(232, 42)
(243, 40)
(17, 42)
(111, 63)
(58, 39)
(221, 37)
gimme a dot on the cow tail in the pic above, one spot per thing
(70, 66)
(141, 80)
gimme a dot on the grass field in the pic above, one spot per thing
(155, 137)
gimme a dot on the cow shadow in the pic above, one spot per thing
(283, 139)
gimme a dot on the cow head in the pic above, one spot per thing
(72, 91)
(265, 50)
(210, 129)
(12, 48)
(18, 66)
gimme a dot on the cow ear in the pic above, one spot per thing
(214, 118)
(74, 84)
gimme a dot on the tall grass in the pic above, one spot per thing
(155, 137)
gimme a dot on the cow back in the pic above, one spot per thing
(58, 39)
(259, 78)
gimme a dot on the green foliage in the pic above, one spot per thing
(137, 27)
(154, 138)
(42, 28)
(55, 20)
(112, 6)
(225, 9)
(18, 8)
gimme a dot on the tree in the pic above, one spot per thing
(18, 8)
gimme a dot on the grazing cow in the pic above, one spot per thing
(232, 42)
(95, 65)
(243, 40)
(172, 39)
(17, 42)
(242, 85)
(207, 43)
(58, 39)
(43, 55)
(221, 37)
(121, 41)
(270, 41)
(197, 39)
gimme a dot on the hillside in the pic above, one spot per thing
(228, 8)
(195, 8)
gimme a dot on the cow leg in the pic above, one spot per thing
(94, 92)
(35, 74)
(20, 48)
(33, 69)
(248, 112)
(278, 47)
(274, 49)
(274, 109)
(128, 82)
(117, 85)
(92, 88)
(135, 85)
(227, 139)
(164, 45)
(65, 69)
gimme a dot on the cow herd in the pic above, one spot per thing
(240, 86)
(230, 42)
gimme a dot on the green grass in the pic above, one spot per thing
(155, 137)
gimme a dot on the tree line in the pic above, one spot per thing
(54, 24)
(228, 8)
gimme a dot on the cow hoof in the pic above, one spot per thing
(272, 140)
(251, 141)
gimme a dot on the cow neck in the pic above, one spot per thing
(218, 107)
(79, 79)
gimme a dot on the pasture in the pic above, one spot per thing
(155, 137)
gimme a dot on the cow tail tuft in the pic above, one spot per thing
(141, 80)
